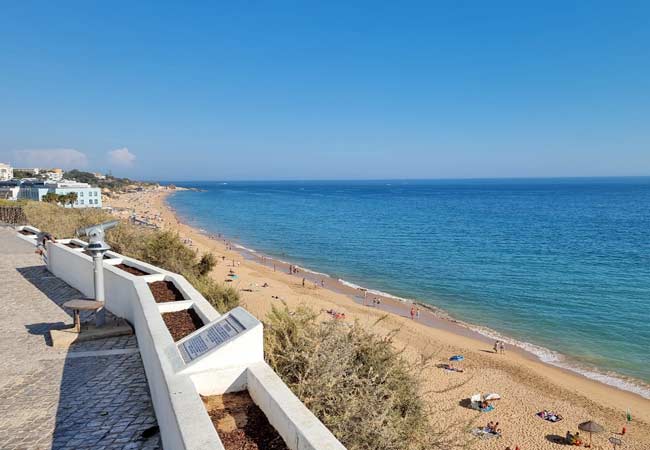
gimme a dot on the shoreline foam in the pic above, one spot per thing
(527, 384)
(543, 354)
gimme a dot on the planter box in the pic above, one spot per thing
(132, 270)
(165, 291)
(240, 423)
(182, 323)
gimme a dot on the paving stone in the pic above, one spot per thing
(49, 400)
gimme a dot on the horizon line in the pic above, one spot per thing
(262, 180)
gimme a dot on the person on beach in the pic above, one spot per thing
(502, 348)
(412, 312)
(496, 346)
(322, 283)
(417, 312)
(568, 437)
(303, 282)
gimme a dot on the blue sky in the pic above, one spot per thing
(335, 90)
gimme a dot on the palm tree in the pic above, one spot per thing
(51, 197)
(70, 198)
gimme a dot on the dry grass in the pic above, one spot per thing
(223, 298)
(354, 381)
(161, 248)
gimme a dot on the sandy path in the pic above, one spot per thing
(526, 385)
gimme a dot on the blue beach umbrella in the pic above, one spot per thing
(457, 358)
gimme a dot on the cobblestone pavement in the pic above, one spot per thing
(94, 396)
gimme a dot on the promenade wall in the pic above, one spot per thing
(176, 382)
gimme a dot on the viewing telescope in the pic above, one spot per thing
(96, 234)
(97, 247)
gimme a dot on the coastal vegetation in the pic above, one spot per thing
(161, 248)
(60, 199)
(353, 380)
(108, 182)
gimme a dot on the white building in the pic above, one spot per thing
(6, 172)
(9, 189)
(53, 174)
(87, 196)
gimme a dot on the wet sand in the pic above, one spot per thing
(526, 385)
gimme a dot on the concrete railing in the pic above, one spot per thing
(176, 380)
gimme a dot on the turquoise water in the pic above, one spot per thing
(563, 264)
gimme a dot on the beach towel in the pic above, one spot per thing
(485, 433)
(550, 416)
(449, 368)
(487, 409)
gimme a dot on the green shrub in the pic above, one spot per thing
(354, 381)
(129, 240)
(163, 249)
(222, 298)
(206, 264)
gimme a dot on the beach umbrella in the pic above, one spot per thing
(457, 358)
(591, 427)
(492, 396)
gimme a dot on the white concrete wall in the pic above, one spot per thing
(299, 427)
(29, 238)
(246, 348)
(72, 266)
(174, 385)
(181, 415)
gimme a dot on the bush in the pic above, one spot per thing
(164, 249)
(354, 381)
(206, 264)
(222, 298)
(129, 240)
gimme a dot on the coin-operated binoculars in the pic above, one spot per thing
(97, 248)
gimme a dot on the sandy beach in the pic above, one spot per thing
(525, 384)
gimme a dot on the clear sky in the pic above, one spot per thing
(327, 90)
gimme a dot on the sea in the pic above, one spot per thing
(559, 267)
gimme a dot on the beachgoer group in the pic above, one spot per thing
(573, 439)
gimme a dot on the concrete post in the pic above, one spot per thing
(98, 261)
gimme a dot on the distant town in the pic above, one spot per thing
(72, 189)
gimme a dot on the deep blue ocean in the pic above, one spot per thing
(560, 265)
